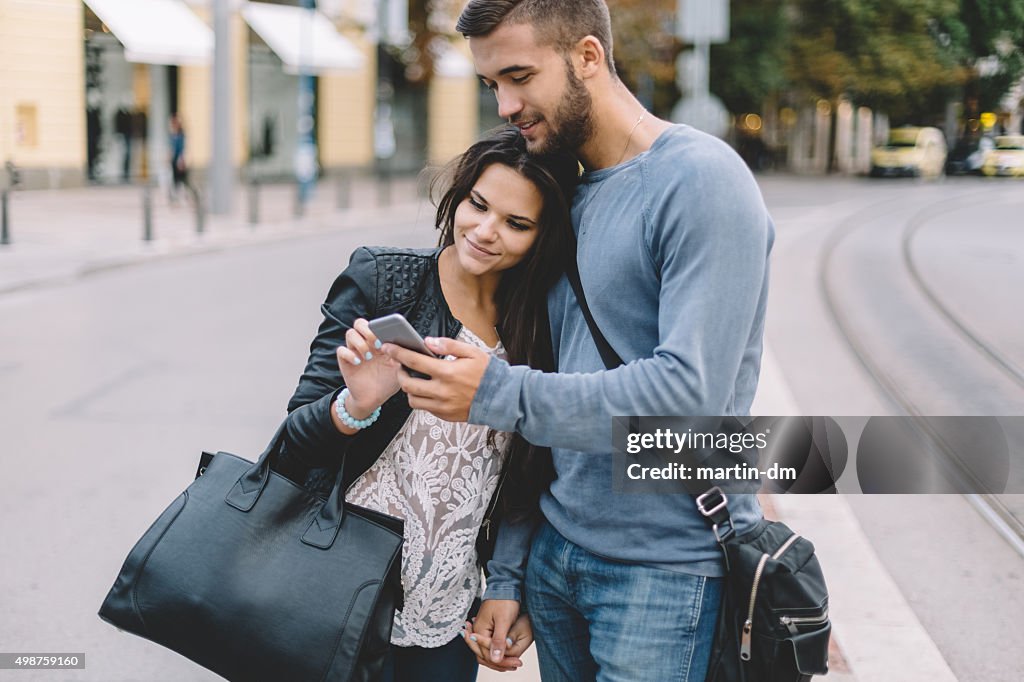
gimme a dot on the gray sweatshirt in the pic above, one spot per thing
(673, 257)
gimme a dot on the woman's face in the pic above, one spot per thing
(498, 222)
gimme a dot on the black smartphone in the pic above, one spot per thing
(396, 329)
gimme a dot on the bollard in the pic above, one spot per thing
(147, 212)
(343, 187)
(197, 204)
(384, 187)
(254, 201)
(5, 233)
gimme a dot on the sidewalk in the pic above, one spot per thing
(58, 236)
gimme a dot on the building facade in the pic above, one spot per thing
(87, 88)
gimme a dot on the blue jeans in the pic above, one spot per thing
(600, 620)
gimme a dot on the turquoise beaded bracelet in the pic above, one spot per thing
(347, 419)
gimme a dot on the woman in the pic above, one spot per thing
(505, 236)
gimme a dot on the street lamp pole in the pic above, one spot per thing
(221, 166)
(306, 152)
(383, 125)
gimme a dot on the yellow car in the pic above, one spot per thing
(910, 151)
(1007, 158)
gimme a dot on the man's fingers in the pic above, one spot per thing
(442, 346)
(413, 360)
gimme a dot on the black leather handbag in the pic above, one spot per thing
(773, 624)
(256, 578)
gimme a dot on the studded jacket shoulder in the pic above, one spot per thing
(378, 281)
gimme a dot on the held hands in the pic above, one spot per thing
(371, 376)
(449, 392)
(499, 635)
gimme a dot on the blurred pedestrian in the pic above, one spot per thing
(123, 128)
(504, 226)
(673, 251)
(179, 168)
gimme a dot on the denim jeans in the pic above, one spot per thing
(607, 621)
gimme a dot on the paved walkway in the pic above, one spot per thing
(58, 236)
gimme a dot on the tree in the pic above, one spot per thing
(987, 39)
(885, 54)
(750, 68)
(645, 48)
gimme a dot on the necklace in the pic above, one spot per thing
(628, 139)
(591, 195)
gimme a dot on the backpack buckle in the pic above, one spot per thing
(713, 505)
(712, 502)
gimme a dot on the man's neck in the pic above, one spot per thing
(622, 129)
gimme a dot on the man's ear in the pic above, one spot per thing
(588, 57)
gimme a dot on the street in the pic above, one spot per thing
(963, 581)
(113, 383)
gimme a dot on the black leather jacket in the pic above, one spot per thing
(378, 281)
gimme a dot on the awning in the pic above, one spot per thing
(156, 31)
(304, 39)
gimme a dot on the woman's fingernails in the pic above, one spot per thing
(357, 361)
(377, 344)
(508, 640)
(472, 638)
(369, 355)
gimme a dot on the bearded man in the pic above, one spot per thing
(673, 245)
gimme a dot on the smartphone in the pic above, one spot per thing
(396, 329)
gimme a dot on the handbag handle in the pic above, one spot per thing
(323, 529)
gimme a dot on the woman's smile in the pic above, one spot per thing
(476, 248)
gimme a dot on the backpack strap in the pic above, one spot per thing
(713, 505)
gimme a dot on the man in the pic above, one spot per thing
(673, 242)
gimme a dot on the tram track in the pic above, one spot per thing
(989, 505)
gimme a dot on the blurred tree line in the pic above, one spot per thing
(907, 58)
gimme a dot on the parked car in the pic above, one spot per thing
(968, 155)
(910, 151)
(1007, 158)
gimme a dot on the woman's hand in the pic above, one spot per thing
(371, 376)
(502, 656)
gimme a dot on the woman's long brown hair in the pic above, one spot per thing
(521, 298)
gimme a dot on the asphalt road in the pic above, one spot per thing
(963, 581)
(111, 388)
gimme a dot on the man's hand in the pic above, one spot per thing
(499, 635)
(449, 392)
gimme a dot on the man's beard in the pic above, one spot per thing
(573, 123)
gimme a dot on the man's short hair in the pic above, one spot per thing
(559, 23)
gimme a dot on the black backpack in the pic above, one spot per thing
(773, 625)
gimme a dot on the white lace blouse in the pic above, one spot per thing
(439, 477)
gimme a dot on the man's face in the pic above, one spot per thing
(536, 88)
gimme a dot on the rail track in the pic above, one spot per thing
(972, 346)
